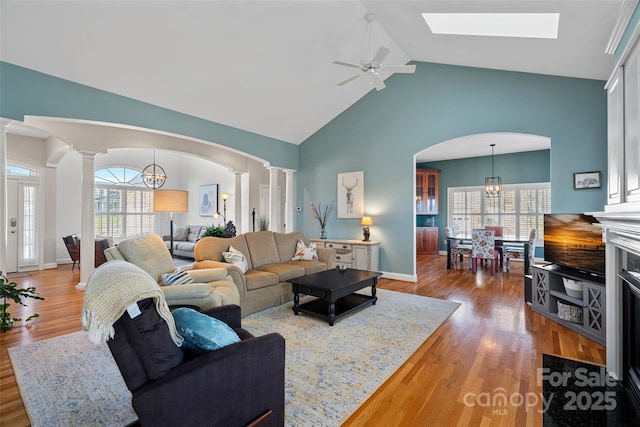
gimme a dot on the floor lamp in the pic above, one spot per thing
(171, 201)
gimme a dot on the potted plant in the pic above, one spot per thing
(263, 223)
(322, 215)
(228, 230)
(10, 291)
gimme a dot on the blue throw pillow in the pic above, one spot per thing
(202, 333)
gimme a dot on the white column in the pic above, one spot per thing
(3, 195)
(290, 200)
(238, 212)
(87, 218)
(274, 219)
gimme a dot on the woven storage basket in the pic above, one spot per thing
(569, 312)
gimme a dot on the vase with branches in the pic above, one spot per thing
(322, 215)
(10, 291)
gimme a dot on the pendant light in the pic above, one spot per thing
(493, 184)
(153, 176)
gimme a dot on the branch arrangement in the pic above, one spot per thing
(322, 215)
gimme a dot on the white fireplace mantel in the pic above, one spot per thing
(621, 232)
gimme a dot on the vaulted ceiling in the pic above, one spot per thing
(266, 66)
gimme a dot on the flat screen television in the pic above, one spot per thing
(572, 240)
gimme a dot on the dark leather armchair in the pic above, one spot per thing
(241, 384)
(72, 243)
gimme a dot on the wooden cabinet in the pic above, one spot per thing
(548, 291)
(623, 128)
(353, 253)
(427, 191)
(427, 240)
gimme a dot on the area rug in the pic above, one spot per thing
(330, 370)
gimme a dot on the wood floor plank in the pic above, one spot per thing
(493, 341)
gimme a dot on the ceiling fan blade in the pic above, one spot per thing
(377, 81)
(348, 64)
(380, 55)
(399, 68)
(348, 80)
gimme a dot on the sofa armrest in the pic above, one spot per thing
(327, 255)
(236, 274)
(210, 386)
(206, 275)
(113, 253)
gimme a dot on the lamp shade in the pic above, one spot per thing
(170, 201)
(366, 220)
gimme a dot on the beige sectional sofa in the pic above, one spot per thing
(184, 240)
(269, 261)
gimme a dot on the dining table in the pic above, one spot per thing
(467, 241)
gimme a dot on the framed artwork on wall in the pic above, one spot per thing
(208, 201)
(351, 194)
(582, 180)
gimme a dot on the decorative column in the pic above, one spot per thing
(274, 218)
(3, 194)
(289, 200)
(87, 218)
(237, 203)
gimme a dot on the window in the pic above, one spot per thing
(520, 208)
(123, 206)
(19, 170)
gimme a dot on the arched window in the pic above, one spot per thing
(123, 205)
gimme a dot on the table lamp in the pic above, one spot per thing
(171, 201)
(366, 222)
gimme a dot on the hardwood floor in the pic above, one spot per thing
(493, 343)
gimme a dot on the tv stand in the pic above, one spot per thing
(548, 290)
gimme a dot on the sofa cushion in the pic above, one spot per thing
(286, 244)
(194, 233)
(177, 277)
(202, 333)
(148, 252)
(211, 248)
(257, 279)
(184, 246)
(310, 267)
(235, 257)
(303, 252)
(283, 270)
(262, 248)
(181, 233)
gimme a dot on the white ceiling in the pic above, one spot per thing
(265, 66)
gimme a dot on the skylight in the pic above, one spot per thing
(530, 25)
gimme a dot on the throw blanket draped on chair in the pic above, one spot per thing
(112, 288)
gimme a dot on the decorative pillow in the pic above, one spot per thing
(178, 277)
(235, 257)
(181, 233)
(202, 333)
(303, 252)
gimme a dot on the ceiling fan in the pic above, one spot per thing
(374, 68)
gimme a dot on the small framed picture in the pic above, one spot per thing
(208, 199)
(583, 180)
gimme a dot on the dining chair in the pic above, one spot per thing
(498, 242)
(483, 247)
(458, 250)
(518, 252)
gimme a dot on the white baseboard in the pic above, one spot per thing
(398, 276)
(50, 265)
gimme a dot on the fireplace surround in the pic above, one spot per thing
(621, 233)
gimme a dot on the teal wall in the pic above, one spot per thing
(27, 92)
(381, 134)
(516, 168)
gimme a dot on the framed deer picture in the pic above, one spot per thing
(351, 194)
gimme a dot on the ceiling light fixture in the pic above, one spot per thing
(153, 176)
(493, 184)
(528, 25)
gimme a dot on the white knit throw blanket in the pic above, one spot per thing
(112, 288)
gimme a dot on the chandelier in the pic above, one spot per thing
(153, 176)
(493, 184)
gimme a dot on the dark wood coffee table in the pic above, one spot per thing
(335, 292)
